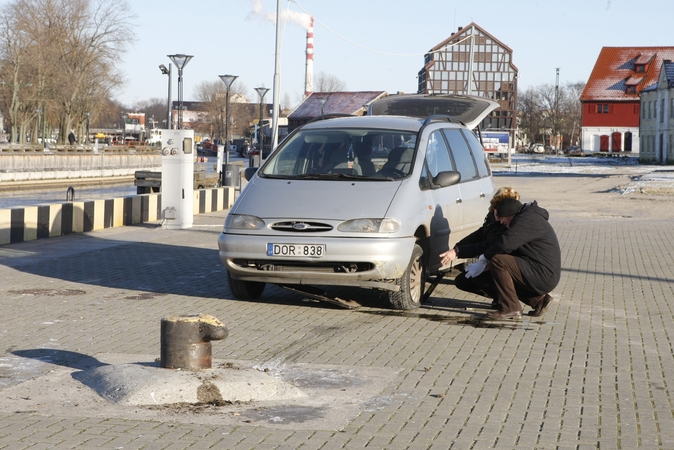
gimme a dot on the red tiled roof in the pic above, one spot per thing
(633, 81)
(616, 65)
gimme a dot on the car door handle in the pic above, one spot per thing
(482, 195)
(458, 200)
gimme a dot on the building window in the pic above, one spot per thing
(602, 108)
(662, 110)
(641, 68)
(631, 90)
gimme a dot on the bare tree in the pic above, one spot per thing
(545, 111)
(74, 48)
(213, 96)
(328, 83)
(15, 47)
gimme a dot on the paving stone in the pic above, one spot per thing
(594, 372)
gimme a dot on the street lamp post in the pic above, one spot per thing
(261, 91)
(228, 80)
(123, 129)
(37, 131)
(86, 139)
(180, 61)
(168, 72)
(323, 101)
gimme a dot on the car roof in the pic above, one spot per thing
(469, 109)
(412, 124)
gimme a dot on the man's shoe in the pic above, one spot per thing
(501, 315)
(541, 307)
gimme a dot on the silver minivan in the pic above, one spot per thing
(367, 201)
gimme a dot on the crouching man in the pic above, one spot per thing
(525, 262)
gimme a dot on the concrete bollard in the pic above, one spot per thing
(186, 341)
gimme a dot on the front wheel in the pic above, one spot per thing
(412, 283)
(245, 290)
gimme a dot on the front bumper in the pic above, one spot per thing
(350, 261)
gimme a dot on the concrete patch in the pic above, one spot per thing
(297, 396)
(136, 384)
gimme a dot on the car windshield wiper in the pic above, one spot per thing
(327, 176)
(378, 178)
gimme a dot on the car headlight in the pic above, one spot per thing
(370, 226)
(243, 222)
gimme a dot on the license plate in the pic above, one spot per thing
(296, 250)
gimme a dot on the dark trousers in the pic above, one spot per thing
(481, 285)
(509, 285)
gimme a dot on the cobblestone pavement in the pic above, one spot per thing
(595, 372)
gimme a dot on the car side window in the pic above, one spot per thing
(437, 155)
(437, 160)
(478, 154)
(461, 153)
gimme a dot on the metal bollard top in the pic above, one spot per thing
(204, 326)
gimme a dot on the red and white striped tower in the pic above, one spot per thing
(309, 70)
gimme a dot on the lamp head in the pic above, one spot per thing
(261, 91)
(180, 60)
(228, 79)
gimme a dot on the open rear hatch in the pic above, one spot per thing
(468, 109)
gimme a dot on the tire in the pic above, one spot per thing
(245, 290)
(412, 283)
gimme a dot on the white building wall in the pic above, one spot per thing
(590, 138)
(657, 123)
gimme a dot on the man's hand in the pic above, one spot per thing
(448, 257)
(476, 268)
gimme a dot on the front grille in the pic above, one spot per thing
(301, 227)
(314, 267)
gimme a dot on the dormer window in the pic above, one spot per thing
(631, 84)
(642, 62)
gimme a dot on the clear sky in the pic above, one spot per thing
(374, 44)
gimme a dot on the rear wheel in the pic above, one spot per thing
(245, 290)
(412, 283)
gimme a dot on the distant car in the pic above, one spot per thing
(574, 151)
(256, 151)
(365, 201)
(536, 148)
(244, 150)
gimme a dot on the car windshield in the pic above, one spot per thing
(343, 154)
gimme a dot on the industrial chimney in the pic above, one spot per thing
(309, 70)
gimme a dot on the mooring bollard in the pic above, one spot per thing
(186, 341)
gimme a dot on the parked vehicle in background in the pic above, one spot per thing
(244, 150)
(368, 201)
(574, 151)
(536, 148)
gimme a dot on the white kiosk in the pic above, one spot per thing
(177, 178)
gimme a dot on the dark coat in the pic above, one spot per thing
(71, 138)
(479, 240)
(532, 240)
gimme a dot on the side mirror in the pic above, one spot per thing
(444, 179)
(248, 172)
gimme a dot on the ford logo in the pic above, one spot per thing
(300, 226)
